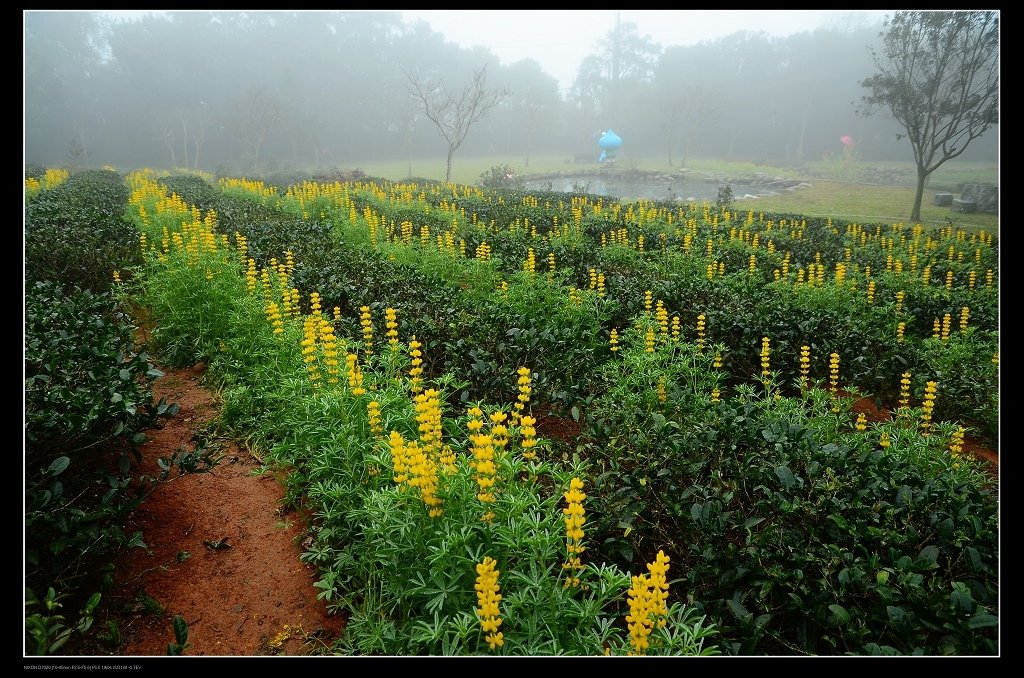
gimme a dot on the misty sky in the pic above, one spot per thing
(560, 39)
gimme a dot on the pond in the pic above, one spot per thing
(683, 189)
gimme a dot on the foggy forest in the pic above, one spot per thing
(255, 92)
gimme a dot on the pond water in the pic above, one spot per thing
(643, 188)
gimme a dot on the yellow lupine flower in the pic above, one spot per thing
(648, 604)
(488, 595)
(416, 369)
(529, 439)
(928, 406)
(575, 518)
(805, 364)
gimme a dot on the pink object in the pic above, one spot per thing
(846, 139)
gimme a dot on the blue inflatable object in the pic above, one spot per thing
(610, 141)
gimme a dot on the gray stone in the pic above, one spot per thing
(986, 197)
(943, 199)
(961, 205)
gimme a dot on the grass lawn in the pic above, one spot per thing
(866, 203)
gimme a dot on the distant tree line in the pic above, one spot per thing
(252, 92)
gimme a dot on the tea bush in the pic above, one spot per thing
(76, 233)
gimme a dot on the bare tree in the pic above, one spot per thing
(686, 114)
(938, 74)
(201, 120)
(165, 133)
(453, 114)
(258, 112)
(183, 119)
(405, 123)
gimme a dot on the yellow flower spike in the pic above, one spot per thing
(529, 437)
(833, 372)
(374, 419)
(904, 400)
(525, 389)
(614, 340)
(805, 365)
(391, 323)
(488, 595)
(355, 374)
(956, 443)
(416, 369)
(274, 317)
(399, 459)
(661, 314)
(647, 600)
(575, 518)
(765, 353)
(928, 406)
(862, 422)
(483, 462)
(366, 322)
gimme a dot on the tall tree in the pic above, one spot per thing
(938, 74)
(64, 81)
(623, 62)
(454, 113)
